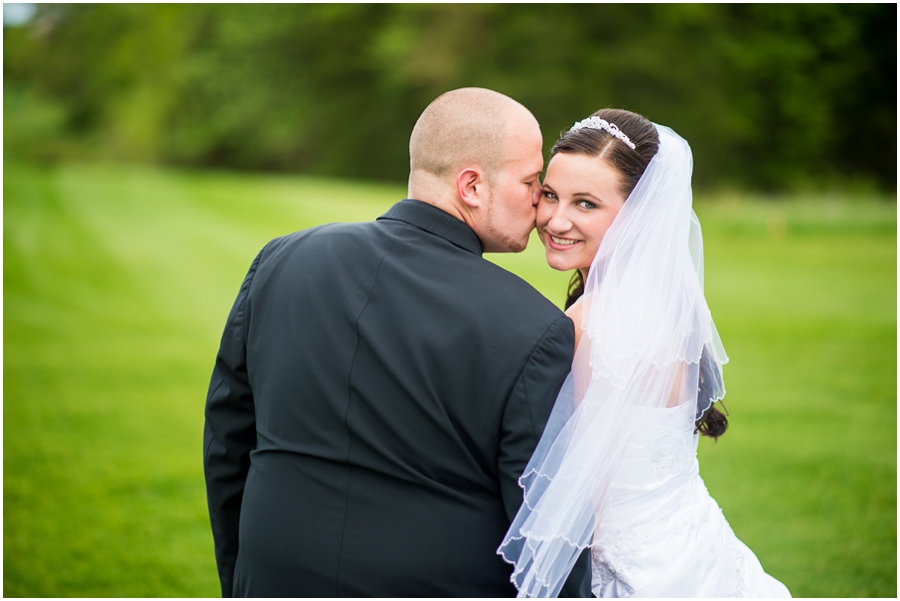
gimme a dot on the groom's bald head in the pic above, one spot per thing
(468, 126)
(476, 154)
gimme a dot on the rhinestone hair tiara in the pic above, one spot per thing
(594, 122)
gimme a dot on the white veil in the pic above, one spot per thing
(648, 342)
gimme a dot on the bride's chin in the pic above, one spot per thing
(557, 265)
(554, 263)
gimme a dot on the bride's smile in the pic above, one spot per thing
(580, 198)
(561, 243)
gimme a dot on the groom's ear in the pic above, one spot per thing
(470, 185)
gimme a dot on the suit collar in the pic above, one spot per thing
(433, 220)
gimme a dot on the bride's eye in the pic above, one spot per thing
(549, 195)
(586, 204)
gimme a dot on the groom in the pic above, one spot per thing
(380, 386)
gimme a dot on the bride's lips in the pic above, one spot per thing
(560, 243)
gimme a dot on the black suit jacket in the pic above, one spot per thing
(378, 391)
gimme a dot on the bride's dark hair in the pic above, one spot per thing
(630, 164)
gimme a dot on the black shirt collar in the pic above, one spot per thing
(433, 220)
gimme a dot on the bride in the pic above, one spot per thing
(616, 469)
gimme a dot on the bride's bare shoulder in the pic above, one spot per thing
(574, 313)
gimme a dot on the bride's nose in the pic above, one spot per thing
(559, 222)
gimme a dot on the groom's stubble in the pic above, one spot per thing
(514, 242)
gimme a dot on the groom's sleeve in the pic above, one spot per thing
(229, 435)
(529, 406)
(526, 414)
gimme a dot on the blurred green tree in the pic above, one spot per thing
(770, 96)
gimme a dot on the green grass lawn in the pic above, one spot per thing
(117, 282)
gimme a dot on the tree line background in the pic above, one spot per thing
(771, 97)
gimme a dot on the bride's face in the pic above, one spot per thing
(579, 201)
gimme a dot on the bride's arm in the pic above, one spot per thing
(675, 395)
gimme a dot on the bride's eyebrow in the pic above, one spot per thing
(587, 195)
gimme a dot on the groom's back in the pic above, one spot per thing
(400, 383)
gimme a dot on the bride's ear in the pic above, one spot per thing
(470, 185)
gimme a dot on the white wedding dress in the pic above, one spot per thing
(662, 534)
